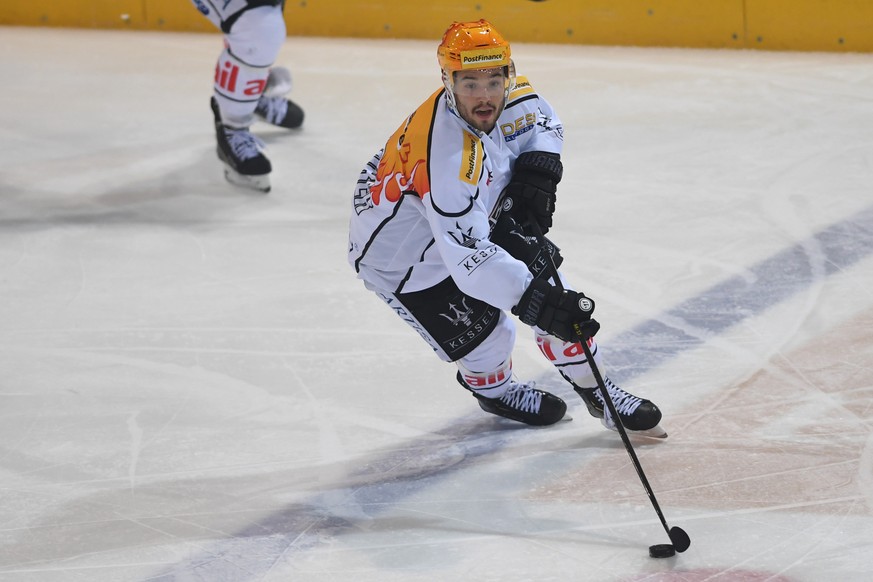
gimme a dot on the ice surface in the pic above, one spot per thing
(194, 386)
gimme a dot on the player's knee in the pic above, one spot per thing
(257, 36)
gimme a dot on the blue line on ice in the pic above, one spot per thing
(253, 552)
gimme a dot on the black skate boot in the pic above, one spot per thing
(637, 415)
(244, 164)
(273, 107)
(279, 111)
(523, 403)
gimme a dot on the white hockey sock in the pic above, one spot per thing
(493, 384)
(238, 87)
(569, 358)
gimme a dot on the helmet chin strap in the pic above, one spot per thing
(450, 91)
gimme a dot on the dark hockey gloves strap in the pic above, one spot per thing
(563, 313)
(533, 185)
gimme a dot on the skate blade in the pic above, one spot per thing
(656, 432)
(260, 183)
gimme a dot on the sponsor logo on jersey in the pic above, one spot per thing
(538, 265)
(477, 259)
(521, 125)
(476, 329)
(489, 381)
(203, 8)
(465, 239)
(410, 320)
(570, 352)
(471, 159)
(459, 316)
(521, 88)
(227, 75)
(484, 58)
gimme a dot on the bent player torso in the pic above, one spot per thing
(421, 205)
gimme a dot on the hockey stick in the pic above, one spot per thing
(677, 535)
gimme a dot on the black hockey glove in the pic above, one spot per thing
(533, 185)
(562, 313)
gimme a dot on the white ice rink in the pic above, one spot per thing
(195, 387)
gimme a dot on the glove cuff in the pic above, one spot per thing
(532, 302)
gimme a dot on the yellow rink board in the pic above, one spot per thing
(829, 25)
(824, 25)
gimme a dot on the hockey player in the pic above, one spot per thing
(443, 226)
(247, 86)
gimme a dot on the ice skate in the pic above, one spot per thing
(279, 111)
(273, 107)
(638, 415)
(240, 151)
(523, 402)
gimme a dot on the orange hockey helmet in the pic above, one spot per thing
(473, 45)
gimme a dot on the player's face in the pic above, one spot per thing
(479, 96)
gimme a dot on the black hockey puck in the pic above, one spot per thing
(662, 551)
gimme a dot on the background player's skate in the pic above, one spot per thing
(244, 163)
(273, 106)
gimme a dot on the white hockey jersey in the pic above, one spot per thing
(422, 204)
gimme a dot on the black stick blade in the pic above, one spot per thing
(680, 539)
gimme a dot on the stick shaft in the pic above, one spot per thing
(601, 385)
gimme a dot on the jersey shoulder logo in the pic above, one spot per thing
(471, 158)
(521, 88)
